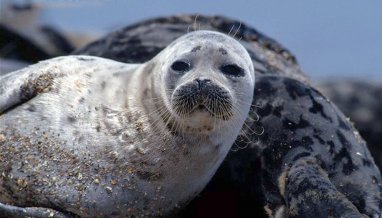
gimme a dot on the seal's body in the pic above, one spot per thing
(96, 138)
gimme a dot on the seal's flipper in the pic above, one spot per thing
(20, 86)
(37, 212)
(309, 192)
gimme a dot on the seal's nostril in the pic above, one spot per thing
(202, 82)
(199, 82)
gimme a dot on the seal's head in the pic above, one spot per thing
(207, 81)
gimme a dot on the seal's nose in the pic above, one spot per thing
(202, 82)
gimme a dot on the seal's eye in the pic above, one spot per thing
(232, 70)
(180, 66)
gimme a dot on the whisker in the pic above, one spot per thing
(195, 22)
(237, 30)
(231, 30)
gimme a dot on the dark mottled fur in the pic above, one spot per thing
(361, 101)
(333, 169)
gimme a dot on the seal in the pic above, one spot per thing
(97, 138)
(301, 157)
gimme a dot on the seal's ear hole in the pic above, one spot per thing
(181, 66)
(232, 70)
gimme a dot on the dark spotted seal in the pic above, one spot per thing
(99, 138)
(309, 161)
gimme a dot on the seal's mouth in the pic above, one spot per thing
(202, 108)
(211, 99)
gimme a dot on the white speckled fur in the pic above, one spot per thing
(105, 149)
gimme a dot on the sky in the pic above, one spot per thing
(331, 39)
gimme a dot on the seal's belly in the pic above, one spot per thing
(101, 168)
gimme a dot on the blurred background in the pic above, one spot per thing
(331, 39)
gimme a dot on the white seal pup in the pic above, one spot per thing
(99, 138)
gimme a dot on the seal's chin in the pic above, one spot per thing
(200, 121)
